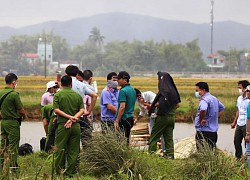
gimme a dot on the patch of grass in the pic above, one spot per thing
(109, 157)
(106, 153)
(208, 164)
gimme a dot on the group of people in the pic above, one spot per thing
(210, 109)
(241, 121)
(68, 119)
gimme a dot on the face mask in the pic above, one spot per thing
(112, 84)
(15, 86)
(241, 91)
(197, 95)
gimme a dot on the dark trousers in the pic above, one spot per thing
(202, 137)
(86, 131)
(51, 137)
(125, 126)
(240, 133)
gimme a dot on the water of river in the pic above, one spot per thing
(32, 132)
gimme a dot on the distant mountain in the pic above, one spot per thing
(122, 26)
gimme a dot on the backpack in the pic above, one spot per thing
(42, 143)
(25, 149)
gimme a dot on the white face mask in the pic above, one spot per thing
(112, 84)
(241, 91)
(15, 86)
(197, 95)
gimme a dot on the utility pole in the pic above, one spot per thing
(45, 57)
(212, 24)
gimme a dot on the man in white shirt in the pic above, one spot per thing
(86, 122)
(144, 101)
(240, 118)
(80, 87)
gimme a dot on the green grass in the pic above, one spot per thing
(109, 157)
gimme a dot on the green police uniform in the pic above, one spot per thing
(164, 125)
(67, 140)
(10, 128)
(48, 112)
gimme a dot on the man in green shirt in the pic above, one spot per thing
(12, 112)
(68, 106)
(126, 104)
(49, 124)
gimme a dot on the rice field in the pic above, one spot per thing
(31, 89)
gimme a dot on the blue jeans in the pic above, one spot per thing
(248, 154)
(151, 124)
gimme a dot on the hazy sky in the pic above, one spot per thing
(18, 13)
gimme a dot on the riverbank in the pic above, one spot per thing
(185, 116)
(34, 114)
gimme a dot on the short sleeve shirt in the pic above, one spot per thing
(80, 87)
(46, 112)
(47, 98)
(11, 104)
(242, 104)
(86, 101)
(89, 86)
(67, 101)
(248, 114)
(108, 97)
(127, 94)
(212, 106)
(148, 97)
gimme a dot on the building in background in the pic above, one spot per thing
(41, 51)
(45, 49)
(31, 58)
(215, 61)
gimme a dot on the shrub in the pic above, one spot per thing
(105, 154)
(209, 164)
(108, 155)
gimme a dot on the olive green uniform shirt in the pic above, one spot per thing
(11, 104)
(10, 128)
(47, 112)
(67, 101)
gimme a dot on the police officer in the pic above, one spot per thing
(68, 106)
(12, 113)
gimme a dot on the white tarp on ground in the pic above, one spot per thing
(184, 148)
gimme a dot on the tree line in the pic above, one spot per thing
(100, 57)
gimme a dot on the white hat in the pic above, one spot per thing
(248, 88)
(50, 85)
